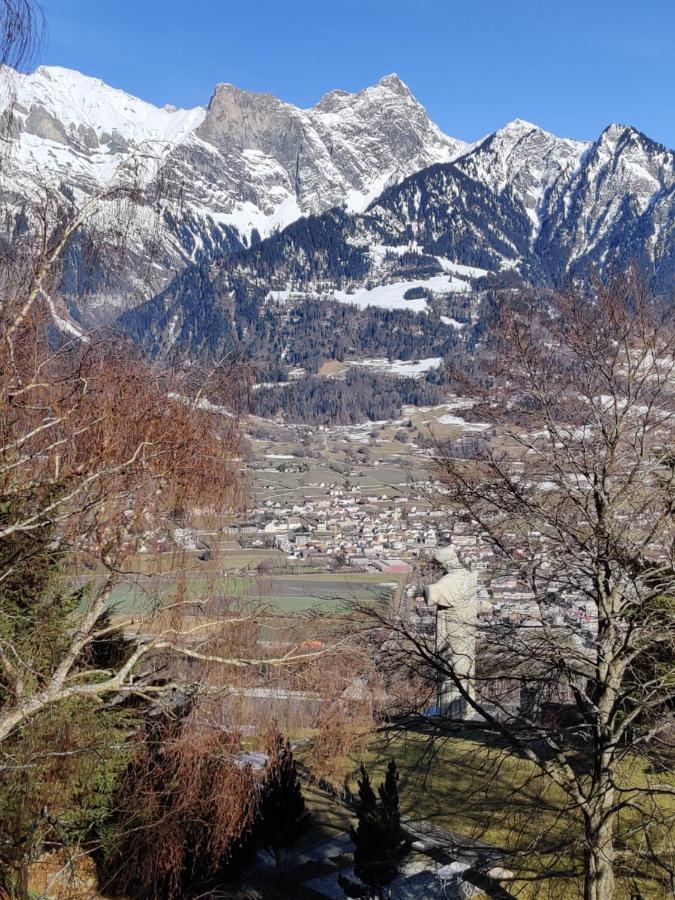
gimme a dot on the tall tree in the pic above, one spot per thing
(55, 774)
(571, 505)
(104, 453)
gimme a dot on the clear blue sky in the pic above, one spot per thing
(572, 67)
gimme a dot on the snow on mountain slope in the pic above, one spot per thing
(347, 148)
(364, 189)
(69, 125)
(545, 206)
(245, 163)
(618, 205)
(524, 159)
(391, 295)
(254, 160)
(522, 203)
(78, 102)
(521, 207)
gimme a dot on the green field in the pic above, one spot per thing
(284, 593)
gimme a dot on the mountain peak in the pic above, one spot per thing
(617, 132)
(391, 84)
(254, 161)
(50, 80)
(618, 137)
(237, 94)
(521, 125)
(61, 73)
(518, 128)
(394, 83)
(56, 103)
(520, 132)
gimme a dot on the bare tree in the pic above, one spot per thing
(100, 447)
(570, 506)
(103, 453)
(21, 30)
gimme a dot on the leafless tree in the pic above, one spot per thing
(101, 448)
(567, 514)
(21, 30)
(102, 453)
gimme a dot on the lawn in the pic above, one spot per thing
(494, 797)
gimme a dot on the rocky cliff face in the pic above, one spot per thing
(359, 190)
(346, 149)
(245, 165)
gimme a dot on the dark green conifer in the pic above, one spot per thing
(282, 816)
(378, 839)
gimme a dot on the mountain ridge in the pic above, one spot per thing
(414, 200)
(248, 163)
(440, 233)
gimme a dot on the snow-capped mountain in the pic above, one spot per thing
(525, 159)
(246, 164)
(520, 207)
(545, 206)
(360, 190)
(65, 123)
(522, 200)
(617, 206)
(346, 149)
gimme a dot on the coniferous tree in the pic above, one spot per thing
(378, 840)
(57, 775)
(389, 808)
(282, 816)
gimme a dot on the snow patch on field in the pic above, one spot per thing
(269, 384)
(458, 269)
(202, 403)
(403, 367)
(391, 296)
(384, 296)
(379, 252)
(255, 759)
(450, 419)
(447, 320)
(184, 539)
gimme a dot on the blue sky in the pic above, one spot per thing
(571, 67)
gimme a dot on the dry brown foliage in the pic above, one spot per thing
(183, 808)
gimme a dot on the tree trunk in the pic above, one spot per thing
(599, 860)
(15, 884)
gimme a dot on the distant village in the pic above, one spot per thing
(343, 527)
